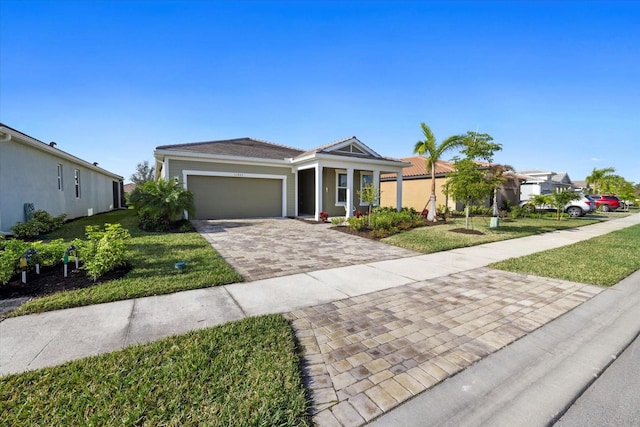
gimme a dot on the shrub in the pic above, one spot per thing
(10, 255)
(41, 222)
(324, 216)
(160, 203)
(105, 250)
(337, 220)
(356, 224)
(47, 254)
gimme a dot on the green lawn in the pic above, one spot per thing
(243, 373)
(441, 238)
(153, 256)
(603, 260)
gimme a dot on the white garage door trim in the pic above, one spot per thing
(187, 173)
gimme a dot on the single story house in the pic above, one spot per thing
(246, 177)
(416, 183)
(543, 182)
(37, 175)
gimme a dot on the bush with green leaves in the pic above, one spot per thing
(48, 254)
(161, 203)
(356, 223)
(104, 249)
(41, 222)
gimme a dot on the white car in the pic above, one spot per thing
(575, 208)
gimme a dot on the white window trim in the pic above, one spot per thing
(362, 175)
(77, 183)
(338, 173)
(60, 178)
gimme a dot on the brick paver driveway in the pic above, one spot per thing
(272, 247)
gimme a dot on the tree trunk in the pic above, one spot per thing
(466, 216)
(431, 215)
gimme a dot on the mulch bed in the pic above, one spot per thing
(369, 233)
(467, 231)
(51, 280)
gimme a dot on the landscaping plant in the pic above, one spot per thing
(559, 199)
(161, 203)
(47, 254)
(105, 249)
(41, 222)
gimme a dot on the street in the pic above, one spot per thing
(614, 398)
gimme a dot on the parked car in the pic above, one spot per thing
(606, 203)
(575, 208)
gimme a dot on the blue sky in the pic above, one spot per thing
(557, 83)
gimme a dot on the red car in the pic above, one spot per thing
(607, 203)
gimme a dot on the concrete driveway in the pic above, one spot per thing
(272, 247)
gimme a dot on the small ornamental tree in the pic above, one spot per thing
(370, 195)
(559, 199)
(540, 200)
(470, 183)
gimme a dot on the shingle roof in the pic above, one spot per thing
(241, 147)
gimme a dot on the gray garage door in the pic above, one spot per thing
(229, 197)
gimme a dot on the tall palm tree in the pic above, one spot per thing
(433, 152)
(598, 178)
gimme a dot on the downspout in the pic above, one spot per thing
(7, 138)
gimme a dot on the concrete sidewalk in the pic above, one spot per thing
(34, 341)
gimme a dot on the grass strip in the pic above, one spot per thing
(441, 238)
(153, 257)
(243, 373)
(603, 260)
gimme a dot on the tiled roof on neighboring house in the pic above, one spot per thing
(418, 168)
(240, 147)
(128, 188)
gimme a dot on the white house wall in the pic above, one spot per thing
(28, 175)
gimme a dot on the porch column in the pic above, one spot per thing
(318, 170)
(296, 196)
(349, 201)
(376, 184)
(399, 191)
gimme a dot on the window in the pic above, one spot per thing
(60, 177)
(341, 188)
(350, 149)
(76, 182)
(365, 178)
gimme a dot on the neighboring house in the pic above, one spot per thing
(416, 183)
(582, 186)
(129, 187)
(33, 172)
(543, 182)
(245, 177)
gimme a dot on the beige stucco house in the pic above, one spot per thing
(246, 177)
(416, 186)
(36, 173)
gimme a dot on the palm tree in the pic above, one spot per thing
(433, 152)
(598, 178)
(159, 203)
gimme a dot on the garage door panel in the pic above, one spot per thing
(233, 197)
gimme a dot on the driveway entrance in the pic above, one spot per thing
(272, 247)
